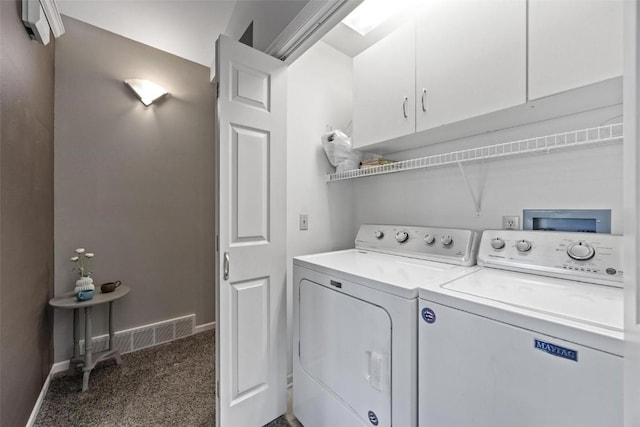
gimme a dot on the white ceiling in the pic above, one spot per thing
(189, 28)
(186, 28)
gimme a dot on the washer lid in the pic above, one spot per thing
(393, 274)
(597, 305)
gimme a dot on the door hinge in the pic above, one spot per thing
(217, 389)
(217, 243)
(217, 89)
(298, 348)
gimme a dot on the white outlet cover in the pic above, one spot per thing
(507, 219)
(304, 222)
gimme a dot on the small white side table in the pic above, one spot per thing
(89, 361)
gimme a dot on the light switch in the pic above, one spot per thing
(304, 221)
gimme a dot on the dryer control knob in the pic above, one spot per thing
(378, 234)
(581, 251)
(402, 236)
(497, 243)
(446, 240)
(429, 239)
(523, 246)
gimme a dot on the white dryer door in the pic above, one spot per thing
(345, 344)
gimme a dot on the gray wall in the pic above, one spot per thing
(133, 184)
(26, 215)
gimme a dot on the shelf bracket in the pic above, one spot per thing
(477, 199)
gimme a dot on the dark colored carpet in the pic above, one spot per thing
(168, 385)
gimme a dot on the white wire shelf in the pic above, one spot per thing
(545, 144)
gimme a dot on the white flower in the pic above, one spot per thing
(75, 258)
(89, 255)
(80, 250)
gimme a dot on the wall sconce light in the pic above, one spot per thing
(148, 92)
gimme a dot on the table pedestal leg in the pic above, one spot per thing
(76, 339)
(116, 355)
(87, 348)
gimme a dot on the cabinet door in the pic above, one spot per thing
(384, 89)
(470, 59)
(573, 43)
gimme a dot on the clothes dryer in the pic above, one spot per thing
(355, 327)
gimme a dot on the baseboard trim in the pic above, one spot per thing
(43, 393)
(60, 367)
(204, 327)
(64, 366)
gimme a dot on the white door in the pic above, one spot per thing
(251, 350)
(470, 59)
(573, 43)
(383, 89)
(631, 183)
(345, 345)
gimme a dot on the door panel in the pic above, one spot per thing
(250, 305)
(250, 164)
(250, 293)
(250, 86)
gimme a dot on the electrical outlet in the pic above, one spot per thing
(304, 222)
(511, 222)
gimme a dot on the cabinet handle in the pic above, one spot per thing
(226, 265)
(404, 106)
(424, 96)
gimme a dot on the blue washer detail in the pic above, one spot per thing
(373, 418)
(428, 315)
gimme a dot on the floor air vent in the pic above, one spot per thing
(136, 339)
(143, 338)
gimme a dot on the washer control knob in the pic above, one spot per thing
(429, 239)
(580, 251)
(523, 246)
(378, 234)
(402, 236)
(446, 240)
(497, 243)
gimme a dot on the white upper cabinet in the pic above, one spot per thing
(573, 43)
(465, 67)
(470, 59)
(384, 89)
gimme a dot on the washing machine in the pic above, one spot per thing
(354, 323)
(532, 338)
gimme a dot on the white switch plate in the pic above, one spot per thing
(511, 223)
(304, 221)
